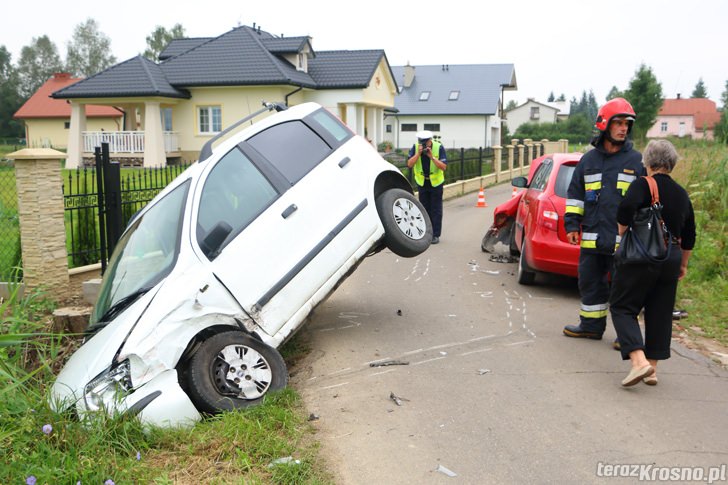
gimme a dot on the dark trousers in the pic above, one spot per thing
(648, 286)
(594, 269)
(431, 198)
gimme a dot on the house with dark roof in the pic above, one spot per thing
(200, 86)
(681, 117)
(47, 120)
(462, 104)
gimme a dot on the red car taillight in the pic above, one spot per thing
(547, 216)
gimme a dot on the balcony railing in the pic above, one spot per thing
(126, 141)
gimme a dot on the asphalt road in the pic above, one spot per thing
(492, 392)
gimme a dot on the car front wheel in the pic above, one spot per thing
(407, 227)
(232, 370)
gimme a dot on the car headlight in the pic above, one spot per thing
(108, 387)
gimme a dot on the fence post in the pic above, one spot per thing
(462, 163)
(564, 145)
(41, 217)
(497, 154)
(529, 148)
(521, 155)
(511, 152)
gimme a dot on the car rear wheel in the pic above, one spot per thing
(232, 370)
(407, 227)
(526, 276)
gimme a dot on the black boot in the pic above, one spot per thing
(577, 332)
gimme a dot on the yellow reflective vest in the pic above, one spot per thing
(436, 176)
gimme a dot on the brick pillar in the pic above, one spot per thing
(529, 158)
(42, 227)
(564, 145)
(497, 159)
(511, 155)
(521, 154)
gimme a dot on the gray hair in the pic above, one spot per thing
(660, 154)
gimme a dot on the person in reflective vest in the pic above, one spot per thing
(428, 160)
(598, 185)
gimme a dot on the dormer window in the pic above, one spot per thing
(424, 95)
(454, 95)
(300, 61)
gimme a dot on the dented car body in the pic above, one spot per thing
(227, 262)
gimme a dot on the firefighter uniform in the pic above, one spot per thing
(597, 187)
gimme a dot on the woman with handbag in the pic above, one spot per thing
(650, 284)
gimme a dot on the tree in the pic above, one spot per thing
(614, 93)
(562, 97)
(551, 97)
(699, 91)
(89, 51)
(10, 99)
(645, 96)
(511, 104)
(158, 40)
(721, 128)
(38, 61)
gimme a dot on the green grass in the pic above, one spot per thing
(234, 447)
(703, 171)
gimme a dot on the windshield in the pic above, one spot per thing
(144, 255)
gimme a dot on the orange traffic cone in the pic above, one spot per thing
(481, 199)
(514, 193)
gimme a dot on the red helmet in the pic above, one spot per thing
(614, 107)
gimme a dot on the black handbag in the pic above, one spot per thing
(647, 239)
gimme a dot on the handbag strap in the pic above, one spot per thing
(654, 191)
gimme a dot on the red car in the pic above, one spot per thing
(538, 234)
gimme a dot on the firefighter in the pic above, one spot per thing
(597, 187)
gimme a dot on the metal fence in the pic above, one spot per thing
(462, 164)
(10, 255)
(81, 203)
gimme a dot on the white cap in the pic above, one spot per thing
(424, 135)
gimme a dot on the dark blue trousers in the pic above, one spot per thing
(594, 269)
(431, 198)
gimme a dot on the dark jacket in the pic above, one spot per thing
(597, 187)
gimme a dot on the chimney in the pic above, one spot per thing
(409, 75)
(678, 95)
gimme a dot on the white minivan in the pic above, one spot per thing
(226, 263)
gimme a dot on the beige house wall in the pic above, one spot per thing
(52, 132)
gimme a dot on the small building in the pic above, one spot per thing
(692, 117)
(460, 104)
(47, 120)
(533, 111)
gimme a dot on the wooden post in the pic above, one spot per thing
(40, 213)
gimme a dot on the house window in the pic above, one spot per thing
(300, 60)
(424, 95)
(663, 127)
(432, 126)
(388, 128)
(167, 119)
(209, 119)
(454, 95)
(535, 114)
(409, 126)
(66, 124)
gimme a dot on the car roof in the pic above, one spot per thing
(558, 159)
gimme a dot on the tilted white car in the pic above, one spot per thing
(227, 262)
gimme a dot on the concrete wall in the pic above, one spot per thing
(52, 132)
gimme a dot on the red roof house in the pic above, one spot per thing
(693, 117)
(47, 119)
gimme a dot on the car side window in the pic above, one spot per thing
(292, 147)
(235, 193)
(563, 179)
(541, 176)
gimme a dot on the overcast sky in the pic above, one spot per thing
(564, 46)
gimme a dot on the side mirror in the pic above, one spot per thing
(213, 241)
(521, 182)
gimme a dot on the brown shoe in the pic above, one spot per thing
(637, 374)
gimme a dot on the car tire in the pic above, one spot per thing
(487, 245)
(526, 276)
(512, 247)
(226, 357)
(407, 227)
